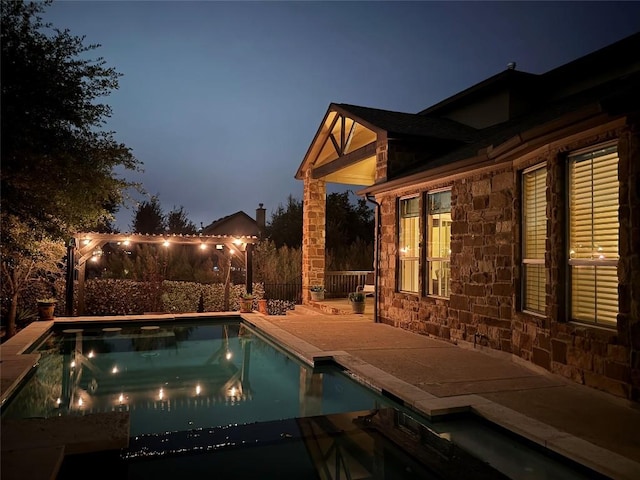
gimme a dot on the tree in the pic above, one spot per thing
(178, 222)
(149, 218)
(37, 258)
(347, 223)
(285, 227)
(58, 163)
(349, 239)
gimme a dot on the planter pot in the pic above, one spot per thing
(246, 305)
(317, 296)
(45, 310)
(357, 307)
(262, 307)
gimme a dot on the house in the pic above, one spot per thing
(507, 215)
(238, 224)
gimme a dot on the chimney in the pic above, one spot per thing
(261, 219)
(511, 66)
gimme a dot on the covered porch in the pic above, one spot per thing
(366, 147)
(344, 151)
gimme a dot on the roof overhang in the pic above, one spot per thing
(343, 150)
(587, 120)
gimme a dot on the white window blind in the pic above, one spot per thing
(439, 243)
(593, 235)
(408, 244)
(534, 237)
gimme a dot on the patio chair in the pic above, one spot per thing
(369, 288)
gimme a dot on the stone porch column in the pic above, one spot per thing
(314, 211)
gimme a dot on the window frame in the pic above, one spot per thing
(524, 260)
(414, 258)
(428, 260)
(592, 262)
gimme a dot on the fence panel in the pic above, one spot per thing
(339, 284)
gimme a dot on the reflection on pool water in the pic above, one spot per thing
(179, 377)
(215, 398)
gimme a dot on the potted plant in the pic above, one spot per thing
(262, 306)
(317, 293)
(46, 307)
(246, 303)
(357, 301)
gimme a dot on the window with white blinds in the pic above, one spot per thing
(593, 235)
(408, 244)
(439, 243)
(534, 237)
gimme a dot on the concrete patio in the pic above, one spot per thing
(435, 377)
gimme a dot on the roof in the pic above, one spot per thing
(411, 124)
(607, 100)
(236, 224)
(507, 79)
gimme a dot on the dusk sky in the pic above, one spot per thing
(220, 100)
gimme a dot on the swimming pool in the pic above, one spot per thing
(215, 397)
(174, 377)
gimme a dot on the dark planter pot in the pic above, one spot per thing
(357, 307)
(45, 310)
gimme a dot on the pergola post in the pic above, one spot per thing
(248, 256)
(81, 271)
(313, 233)
(71, 267)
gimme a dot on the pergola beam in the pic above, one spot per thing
(87, 243)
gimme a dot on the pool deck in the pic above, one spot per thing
(432, 376)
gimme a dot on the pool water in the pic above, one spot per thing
(181, 376)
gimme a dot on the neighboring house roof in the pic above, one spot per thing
(400, 123)
(236, 224)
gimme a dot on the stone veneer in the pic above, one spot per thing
(485, 272)
(313, 233)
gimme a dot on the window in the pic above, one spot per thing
(408, 244)
(438, 243)
(593, 235)
(534, 236)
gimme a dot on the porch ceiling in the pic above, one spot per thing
(343, 150)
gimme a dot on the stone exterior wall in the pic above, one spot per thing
(314, 205)
(629, 266)
(482, 258)
(483, 307)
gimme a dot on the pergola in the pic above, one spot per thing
(86, 245)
